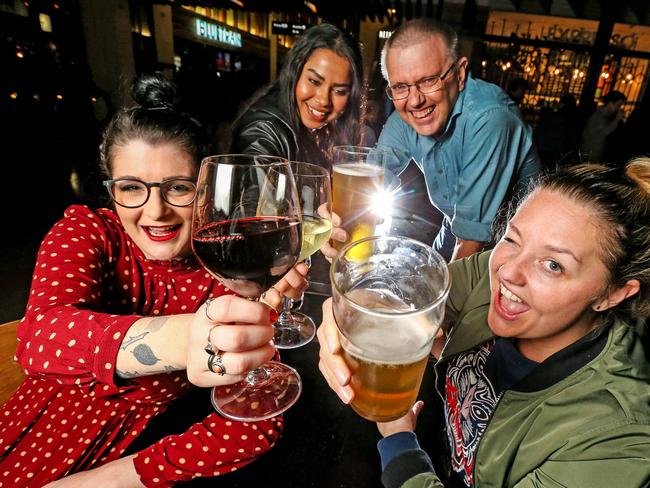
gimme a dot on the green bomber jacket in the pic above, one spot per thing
(580, 419)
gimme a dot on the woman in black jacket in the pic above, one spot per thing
(314, 104)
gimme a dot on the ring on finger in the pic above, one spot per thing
(215, 364)
(263, 295)
(209, 347)
(207, 307)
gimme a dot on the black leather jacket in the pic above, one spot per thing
(264, 129)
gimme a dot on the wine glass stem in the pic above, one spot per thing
(285, 318)
(257, 376)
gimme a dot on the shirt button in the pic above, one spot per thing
(439, 171)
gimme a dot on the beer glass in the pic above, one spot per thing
(388, 307)
(357, 180)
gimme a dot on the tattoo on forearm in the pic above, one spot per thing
(156, 324)
(130, 340)
(168, 368)
(145, 355)
(126, 374)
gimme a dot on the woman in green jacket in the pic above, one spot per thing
(543, 374)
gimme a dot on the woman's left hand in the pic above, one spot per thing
(291, 286)
(120, 473)
(406, 423)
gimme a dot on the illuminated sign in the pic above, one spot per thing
(384, 34)
(559, 29)
(215, 32)
(288, 28)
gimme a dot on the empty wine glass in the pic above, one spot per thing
(246, 231)
(295, 329)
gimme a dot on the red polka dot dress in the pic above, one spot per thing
(91, 283)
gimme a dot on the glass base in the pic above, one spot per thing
(265, 392)
(294, 331)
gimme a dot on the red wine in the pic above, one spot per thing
(257, 249)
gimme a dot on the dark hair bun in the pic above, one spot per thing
(154, 90)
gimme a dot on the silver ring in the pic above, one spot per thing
(207, 306)
(209, 348)
(215, 361)
(263, 295)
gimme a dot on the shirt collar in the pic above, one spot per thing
(458, 106)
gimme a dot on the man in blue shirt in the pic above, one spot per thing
(465, 135)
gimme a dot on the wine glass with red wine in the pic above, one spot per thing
(247, 231)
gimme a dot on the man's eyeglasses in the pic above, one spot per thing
(133, 193)
(430, 84)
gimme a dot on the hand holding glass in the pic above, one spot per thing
(246, 231)
(388, 304)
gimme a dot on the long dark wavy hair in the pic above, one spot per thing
(345, 129)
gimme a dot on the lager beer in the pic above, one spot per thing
(386, 385)
(354, 187)
(388, 306)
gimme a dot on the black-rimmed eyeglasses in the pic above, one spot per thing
(134, 193)
(430, 84)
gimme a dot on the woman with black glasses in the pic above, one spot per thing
(118, 309)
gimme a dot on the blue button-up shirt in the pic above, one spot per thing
(485, 153)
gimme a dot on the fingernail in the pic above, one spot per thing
(346, 396)
(274, 316)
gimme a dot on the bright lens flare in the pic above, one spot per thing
(382, 207)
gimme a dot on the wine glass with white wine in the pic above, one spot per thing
(295, 329)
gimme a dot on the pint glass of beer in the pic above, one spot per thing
(388, 308)
(357, 178)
